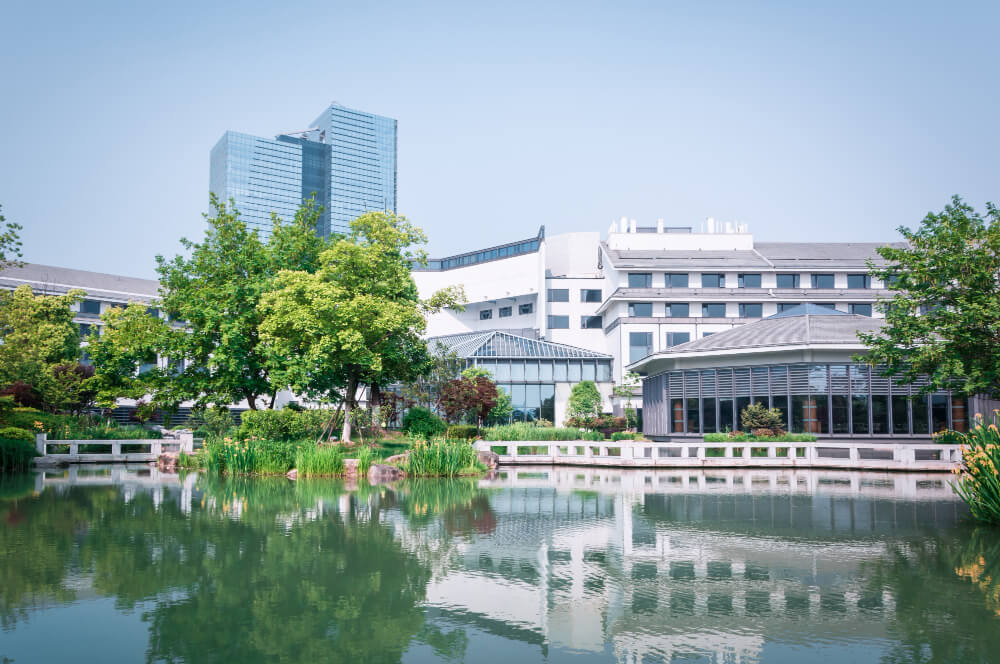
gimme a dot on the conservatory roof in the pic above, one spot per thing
(496, 343)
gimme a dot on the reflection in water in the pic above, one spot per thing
(537, 564)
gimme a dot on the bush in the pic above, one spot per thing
(16, 433)
(24, 394)
(979, 481)
(319, 461)
(626, 435)
(527, 431)
(285, 424)
(422, 423)
(216, 421)
(443, 458)
(74, 427)
(595, 436)
(750, 438)
(15, 455)
(757, 416)
(462, 431)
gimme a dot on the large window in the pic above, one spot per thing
(676, 338)
(860, 309)
(749, 281)
(640, 280)
(90, 307)
(825, 305)
(822, 281)
(640, 309)
(678, 310)
(713, 280)
(558, 322)
(751, 310)
(788, 281)
(590, 295)
(524, 309)
(591, 322)
(485, 314)
(505, 312)
(859, 281)
(640, 344)
(675, 280)
(713, 310)
(786, 306)
(558, 295)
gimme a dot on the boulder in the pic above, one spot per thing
(488, 458)
(396, 459)
(351, 467)
(292, 474)
(380, 472)
(167, 462)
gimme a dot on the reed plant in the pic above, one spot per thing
(366, 456)
(441, 457)
(15, 455)
(979, 475)
(519, 431)
(319, 461)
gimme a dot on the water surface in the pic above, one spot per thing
(534, 564)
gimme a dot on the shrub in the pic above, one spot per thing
(542, 422)
(24, 394)
(319, 461)
(625, 435)
(422, 423)
(758, 416)
(462, 431)
(979, 481)
(526, 431)
(595, 436)
(285, 424)
(443, 458)
(215, 421)
(15, 455)
(750, 438)
(16, 433)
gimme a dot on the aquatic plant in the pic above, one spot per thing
(979, 474)
(319, 461)
(443, 458)
(15, 455)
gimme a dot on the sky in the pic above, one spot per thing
(808, 121)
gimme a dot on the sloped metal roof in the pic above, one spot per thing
(58, 280)
(497, 343)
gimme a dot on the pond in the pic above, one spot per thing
(123, 564)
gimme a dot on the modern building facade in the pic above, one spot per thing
(346, 158)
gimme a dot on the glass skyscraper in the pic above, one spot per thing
(347, 158)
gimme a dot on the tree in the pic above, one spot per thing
(38, 335)
(10, 242)
(473, 395)
(584, 400)
(625, 391)
(944, 319)
(356, 317)
(217, 356)
(443, 365)
(504, 406)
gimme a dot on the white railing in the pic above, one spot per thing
(853, 454)
(155, 446)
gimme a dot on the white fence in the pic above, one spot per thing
(155, 446)
(848, 454)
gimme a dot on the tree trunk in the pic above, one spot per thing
(352, 388)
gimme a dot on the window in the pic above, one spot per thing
(706, 334)
(785, 306)
(643, 309)
(558, 322)
(860, 309)
(859, 281)
(675, 338)
(640, 280)
(826, 305)
(505, 312)
(640, 344)
(558, 295)
(788, 281)
(590, 295)
(712, 280)
(675, 280)
(678, 310)
(90, 307)
(485, 314)
(85, 329)
(153, 311)
(524, 309)
(749, 281)
(751, 310)
(591, 322)
(714, 310)
(822, 281)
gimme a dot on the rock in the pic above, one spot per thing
(351, 467)
(380, 472)
(167, 462)
(292, 474)
(397, 458)
(488, 458)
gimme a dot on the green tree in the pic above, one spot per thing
(944, 319)
(354, 320)
(10, 242)
(626, 391)
(584, 400)
(38, 335)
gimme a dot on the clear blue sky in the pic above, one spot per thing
(830, 122)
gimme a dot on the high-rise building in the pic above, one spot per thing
(346, 158)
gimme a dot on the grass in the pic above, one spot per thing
(15, 456)
(519, 431)
(443, 458)
(319, 461)
(747, 438)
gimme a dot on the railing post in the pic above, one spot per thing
(156, 447)
(40, 444)
(187, 442)
(74, 447)
(116, 449)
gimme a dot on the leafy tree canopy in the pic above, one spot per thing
(10, 242)
(584, 400)
(944, 319)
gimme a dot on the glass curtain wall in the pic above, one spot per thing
(531, 383)
(823, 399)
